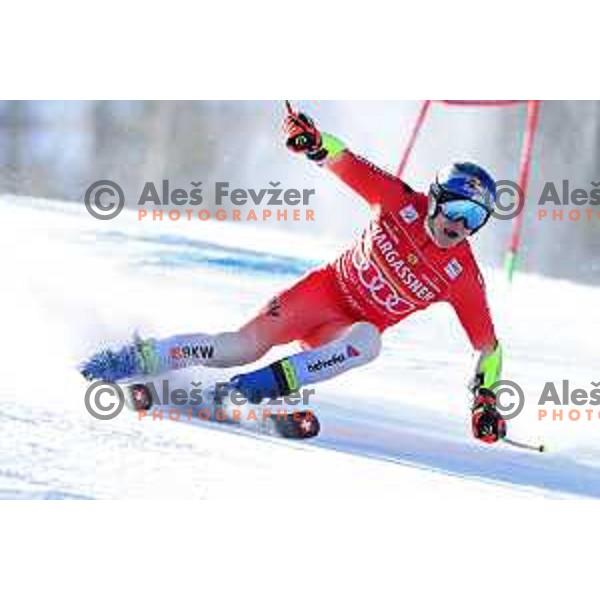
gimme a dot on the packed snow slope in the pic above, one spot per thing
(72, 283)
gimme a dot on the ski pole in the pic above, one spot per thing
(289, 108)
(535, 448)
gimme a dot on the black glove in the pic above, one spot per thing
(303, 136)
(487, 423)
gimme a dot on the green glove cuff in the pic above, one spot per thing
(489, 367)
(332, 145)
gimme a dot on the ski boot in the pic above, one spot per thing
(272, 382)
(129, 361)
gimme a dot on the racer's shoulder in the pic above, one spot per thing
(411, 204)
(397, 184)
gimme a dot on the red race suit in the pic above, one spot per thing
(395, 268)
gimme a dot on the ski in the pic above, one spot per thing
(299, 425)
(138, 396)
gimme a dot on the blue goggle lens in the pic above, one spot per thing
(474, 215)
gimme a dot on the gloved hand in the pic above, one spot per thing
(487, 423)
(303, 136)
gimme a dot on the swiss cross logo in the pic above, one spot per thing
(351, 351)
(408, 214)
(453, 269)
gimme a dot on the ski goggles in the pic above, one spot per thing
(473, 214)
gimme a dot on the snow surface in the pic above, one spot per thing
(395, 429)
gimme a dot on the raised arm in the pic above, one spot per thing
(366, 179)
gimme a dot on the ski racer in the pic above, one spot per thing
(414, 252)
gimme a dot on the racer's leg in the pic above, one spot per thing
(310, 305)
(354, 346)
(306, 306)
